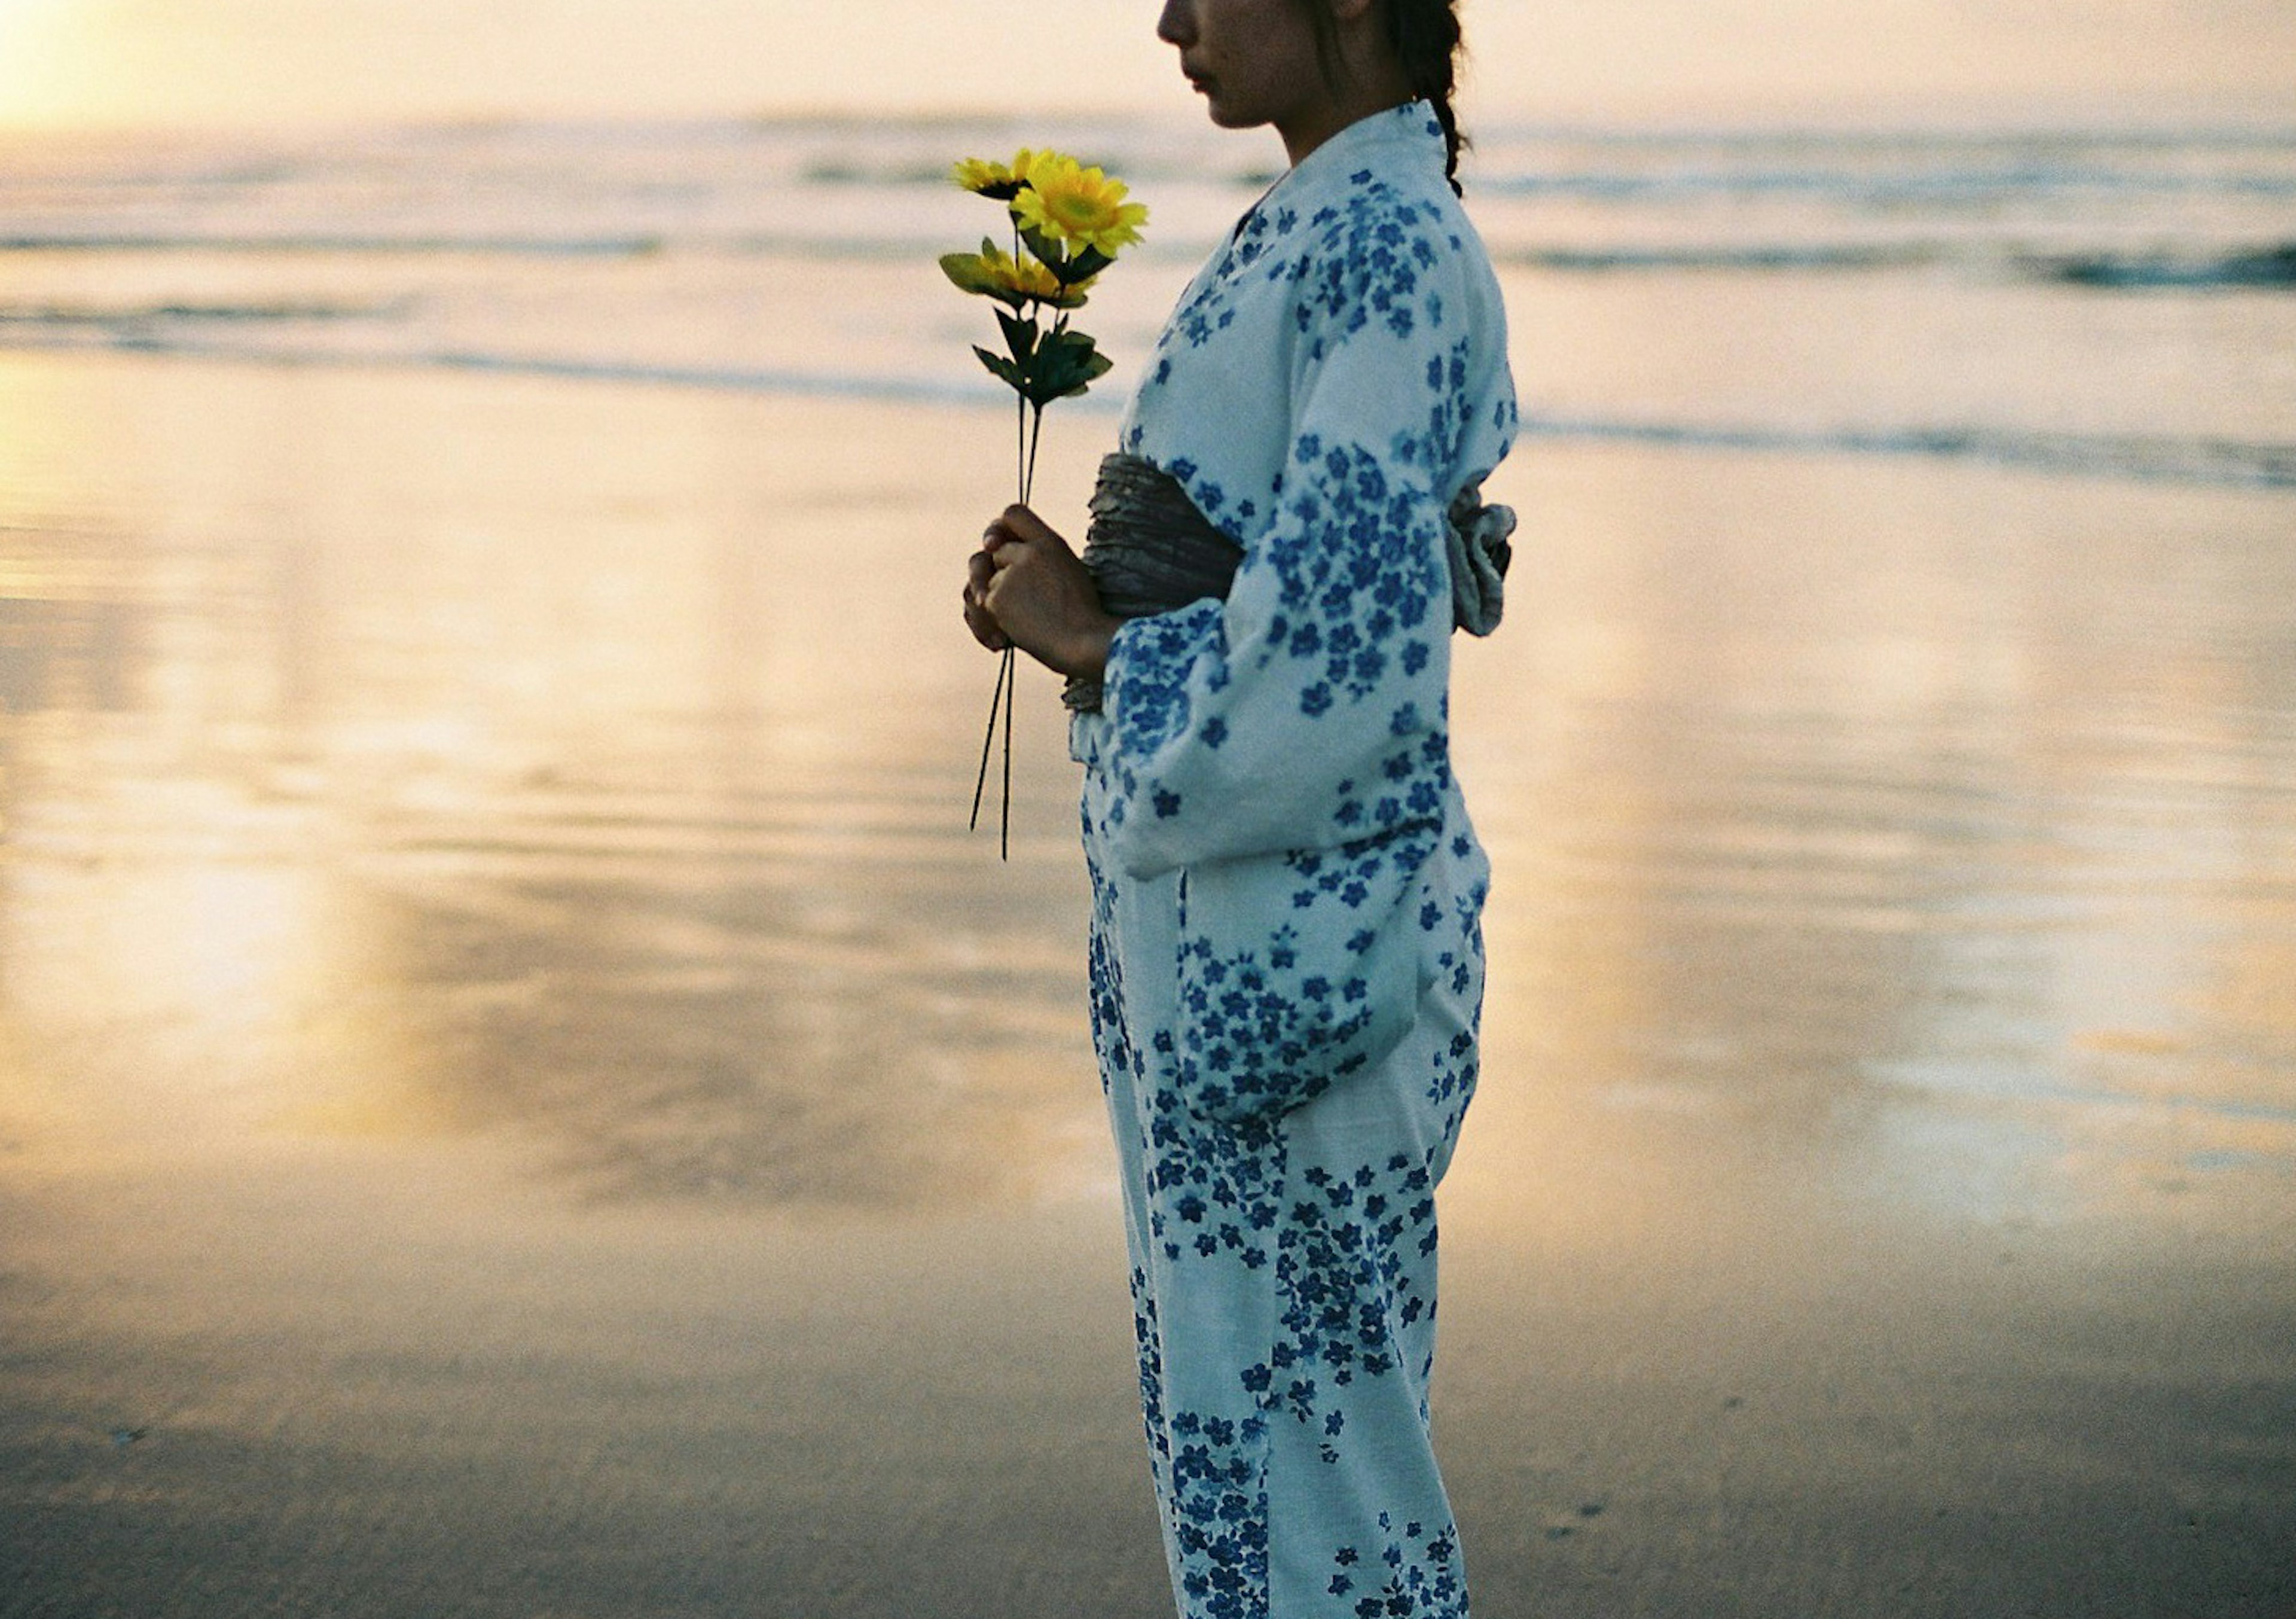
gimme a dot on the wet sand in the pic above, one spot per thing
(518, 1095)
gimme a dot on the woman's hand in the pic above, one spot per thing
(1024, 588)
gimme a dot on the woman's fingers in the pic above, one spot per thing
(984, 627)
(984, 631)
(979, 571)
(1019, 523)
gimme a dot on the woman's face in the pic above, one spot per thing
(1254, 61)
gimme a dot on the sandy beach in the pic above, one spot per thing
(519, 1097)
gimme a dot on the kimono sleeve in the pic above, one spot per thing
(1306, 712)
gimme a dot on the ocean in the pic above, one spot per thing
(2099, 301)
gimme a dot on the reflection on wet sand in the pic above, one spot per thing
(1936, 871)
(724, 1033)
(598, 833)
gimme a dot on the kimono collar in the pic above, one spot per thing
(1407, 134)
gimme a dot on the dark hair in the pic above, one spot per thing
(1425, 36)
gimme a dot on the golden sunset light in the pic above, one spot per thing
(625, 992)
(131, 62)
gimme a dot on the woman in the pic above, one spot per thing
(1285, 947)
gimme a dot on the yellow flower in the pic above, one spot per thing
(1002, 181)
(996, 275)
(1079, 206)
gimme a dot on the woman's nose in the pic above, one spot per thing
(1177, 25)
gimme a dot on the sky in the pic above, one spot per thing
(94, 63)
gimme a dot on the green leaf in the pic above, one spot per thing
(1020, 335)
(1095, 366)
(969, 273)
(1065, 364)
(1004, 370)
(1074, 347)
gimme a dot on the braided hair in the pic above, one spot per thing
(1425, 36)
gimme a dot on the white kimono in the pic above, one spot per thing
(1276, 844)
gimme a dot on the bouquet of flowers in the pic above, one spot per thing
(1068, 223)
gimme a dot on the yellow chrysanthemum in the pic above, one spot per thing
(997, 274)
(1002, 181)
(1081, 207)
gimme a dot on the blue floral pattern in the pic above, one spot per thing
(1271, 824)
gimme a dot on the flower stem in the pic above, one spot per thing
(988, 742)
(1004, 826)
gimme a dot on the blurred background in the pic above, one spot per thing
(518, 1095)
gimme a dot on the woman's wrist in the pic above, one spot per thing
(1086, 654)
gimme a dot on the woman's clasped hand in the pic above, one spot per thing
(1025, 587)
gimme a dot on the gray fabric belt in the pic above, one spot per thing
(1149, 551)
